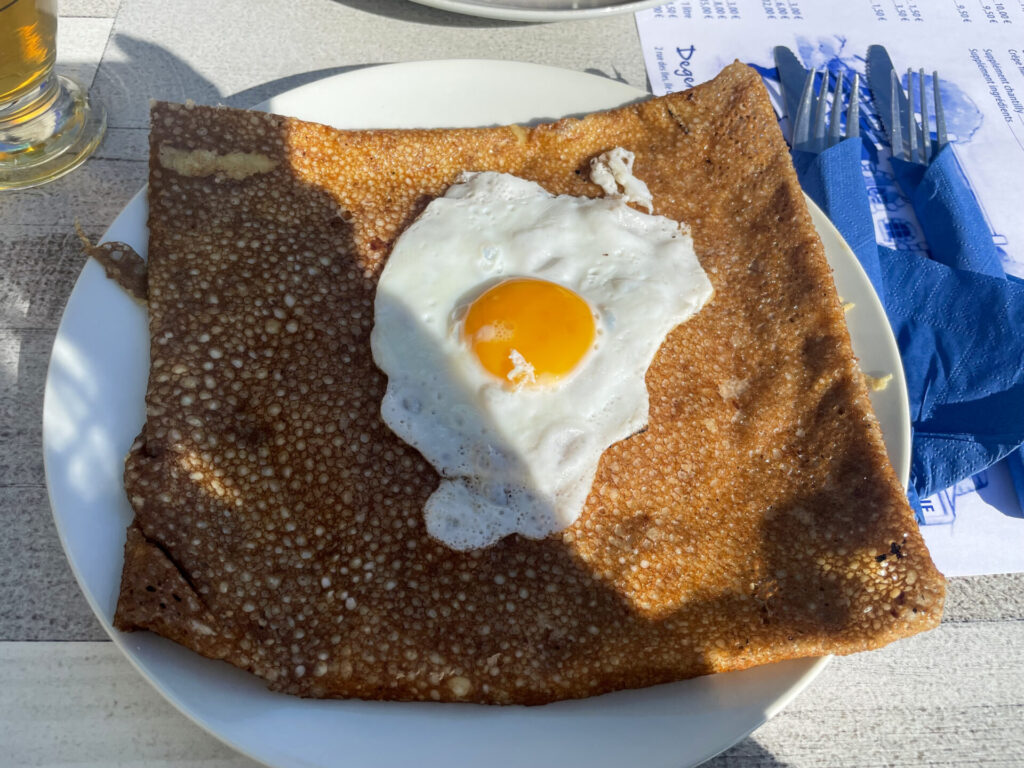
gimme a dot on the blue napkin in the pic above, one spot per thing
(959, 324)
(957, 234)
(832, 180)
(950, 218)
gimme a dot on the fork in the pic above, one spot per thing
(810, 136)
(912, 151)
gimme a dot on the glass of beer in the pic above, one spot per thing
(47, 125)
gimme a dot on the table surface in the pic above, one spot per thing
(954, 696)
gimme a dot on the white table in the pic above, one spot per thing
(954, 696)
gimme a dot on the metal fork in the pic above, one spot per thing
(912, 150)
(810, 136)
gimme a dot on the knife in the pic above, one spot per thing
(880, 72)
(792, 76)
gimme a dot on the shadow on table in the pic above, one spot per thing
(403, 10)
(747, 753)
(615, 75)
(143, 71)
(174, 79)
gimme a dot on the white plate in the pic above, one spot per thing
(94, 408)
(539, 10)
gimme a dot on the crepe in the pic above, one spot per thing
(278, 522)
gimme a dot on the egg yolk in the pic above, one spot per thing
(529, 331)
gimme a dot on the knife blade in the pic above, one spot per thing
(792, 76)
(880, 72)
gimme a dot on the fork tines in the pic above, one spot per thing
(813, 137)
(918, 147)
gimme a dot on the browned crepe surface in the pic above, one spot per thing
(279, 522)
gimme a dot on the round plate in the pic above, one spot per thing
(94, 408)
(539, 10)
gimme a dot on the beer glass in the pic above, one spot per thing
(47, 125)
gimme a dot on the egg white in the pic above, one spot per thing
(521, 460)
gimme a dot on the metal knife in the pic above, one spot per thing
(880, 72)
(792, 76)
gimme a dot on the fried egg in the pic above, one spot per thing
(515, 328)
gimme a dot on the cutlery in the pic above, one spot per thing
(928, 174)
(798, 90)
(809, 132)
(791, 77)
(889, 102)
(828, 165)
(915, 152)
